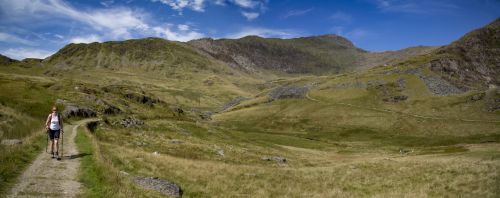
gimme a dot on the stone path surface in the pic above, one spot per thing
(47, 177)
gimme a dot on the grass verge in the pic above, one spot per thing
(98, 176)
(15, 159)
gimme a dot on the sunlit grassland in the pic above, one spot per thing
(338, 142)
(98, 176)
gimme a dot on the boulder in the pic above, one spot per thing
(72, 110)
(278, 159)
(395, 99)
(288, 92)
(163, 186)
(206, 115)
(130, 122)
(175, 141)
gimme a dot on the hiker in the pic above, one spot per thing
(54, 126)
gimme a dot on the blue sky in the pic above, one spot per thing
(38, 28)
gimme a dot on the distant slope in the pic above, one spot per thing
(149, 54)
(372, 59)
(316, 55)
(4, 60)
(473, 60)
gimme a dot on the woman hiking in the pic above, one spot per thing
(54, 126)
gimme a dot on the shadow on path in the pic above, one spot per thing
(79, 155)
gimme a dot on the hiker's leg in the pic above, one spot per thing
(51, 145)
(57, 145)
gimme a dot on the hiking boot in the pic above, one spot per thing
(53, 155)
(57, 154)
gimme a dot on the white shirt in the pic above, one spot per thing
(54, 122)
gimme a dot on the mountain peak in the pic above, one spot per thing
(4, 60)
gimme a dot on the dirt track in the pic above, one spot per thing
(47, 177)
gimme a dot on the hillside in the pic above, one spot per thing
(473, 60)
(316, 55)
(4, 60)
(372, 59)
(149, 54)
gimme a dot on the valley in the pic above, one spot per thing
(238, 118)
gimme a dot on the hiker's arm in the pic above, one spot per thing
(47, 122)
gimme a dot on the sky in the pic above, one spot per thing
(38, 28)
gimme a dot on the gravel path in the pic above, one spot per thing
(48, 177)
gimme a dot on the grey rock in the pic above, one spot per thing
(220, 152)
(288, 92)
(372, 83)
(9, 142)
(72, 110)
(401, 83)
(233, 103)
(356, 85)
(250, 174)
(477, 97)
(395, 99)
(436, 85)
(175, 141)
(110, 109)
(206, 115)
(130, 122)
(440, 87)
(163, 186)
(278, 159)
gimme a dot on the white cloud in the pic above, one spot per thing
(341, 16)
(416, 7)
(199, 5)
(9, 38)
(292, 13)
(183, 27)
(58, 36)
(22, 53)
(98, 19)
(179, 5)
(264, 32)
(111, 24)
(167, 33)
(250, 15)
(246, 3)
(86, 39)
(107, 3)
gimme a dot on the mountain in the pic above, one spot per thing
(147, 54)
(316, 55)
(372, 59)
(473, 60)
(4, 60)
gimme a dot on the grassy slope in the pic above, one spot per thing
(332, 147)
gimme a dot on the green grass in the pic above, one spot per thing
(98, 176)
(15, 159)
(91, 176)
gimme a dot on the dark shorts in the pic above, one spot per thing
(54, 134)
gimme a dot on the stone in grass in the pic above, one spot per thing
(9, 142)
(163, 186)
(220, 152)
(275, 158)
(175, 141)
